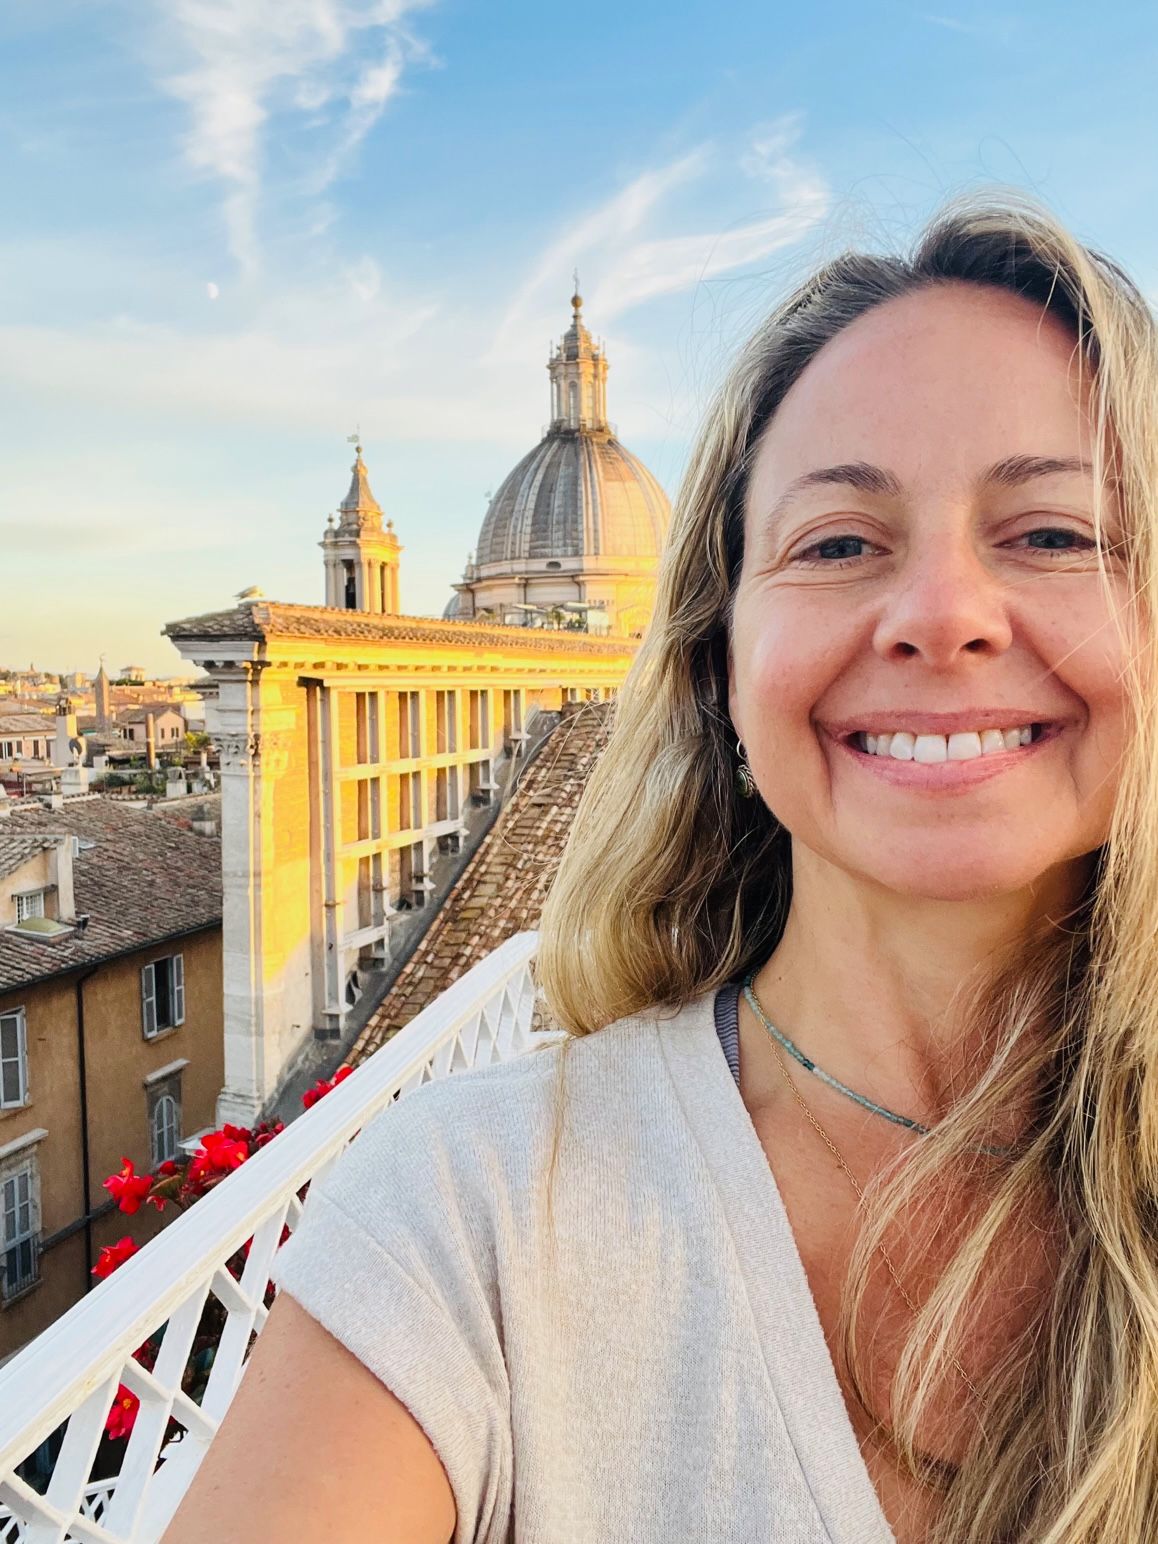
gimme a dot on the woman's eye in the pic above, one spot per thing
(833, 551)
(1058, 539)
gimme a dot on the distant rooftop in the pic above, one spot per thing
(26, 723)
(15, 850)
(144, 879)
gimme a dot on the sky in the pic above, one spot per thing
(235, 232)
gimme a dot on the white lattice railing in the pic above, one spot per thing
(71, 1372)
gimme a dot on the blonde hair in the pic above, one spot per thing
(1066, 1450)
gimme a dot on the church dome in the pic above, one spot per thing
(577, 494)
(576, 529)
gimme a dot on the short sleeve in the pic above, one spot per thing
(391, 1256)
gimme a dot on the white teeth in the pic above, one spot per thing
(963, 747)
(930, 748)
(966, 745)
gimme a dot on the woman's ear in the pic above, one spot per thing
(733, 711)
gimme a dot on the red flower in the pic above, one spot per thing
(219, 1155)
(123, 1414)
(168, 1167)
(321, 1088)
(113, 1255)
(127, 1188)
(236, 1133)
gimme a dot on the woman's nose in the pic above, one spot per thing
(946, 604)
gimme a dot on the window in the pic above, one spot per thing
(13, 1060)
(480, 721)
(165, 1125)
(409, 733)
(29, 905)
(163, 994)
(18, 1252)
(446, 721)
(512, 715)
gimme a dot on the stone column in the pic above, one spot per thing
(254, 744)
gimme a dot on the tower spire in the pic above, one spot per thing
(361, 558)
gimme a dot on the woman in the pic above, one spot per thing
(835, 1218)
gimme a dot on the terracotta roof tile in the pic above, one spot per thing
(26, 723)
(144, 879)
(502, 889)
(16, 850)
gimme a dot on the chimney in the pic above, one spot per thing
(62, 878)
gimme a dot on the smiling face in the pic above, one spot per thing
(920, 567)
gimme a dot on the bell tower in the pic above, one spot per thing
(361, 556)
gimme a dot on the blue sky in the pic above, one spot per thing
(233, 230)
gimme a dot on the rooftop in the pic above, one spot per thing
(139, 713)
(271, 619)
(142, 880)
(16, 850)
(26, 723)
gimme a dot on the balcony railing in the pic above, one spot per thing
(69, 1375)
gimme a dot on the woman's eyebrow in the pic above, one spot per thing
(862, 475)
(848, 474)
(1015, 470)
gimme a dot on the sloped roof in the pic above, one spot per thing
(145, 710)
(16, 850)
(27, 723)
(144, 879)
(502, 889)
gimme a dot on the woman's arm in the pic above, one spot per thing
(314, 1446)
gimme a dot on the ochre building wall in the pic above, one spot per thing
(118, 1059)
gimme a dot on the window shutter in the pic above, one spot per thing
(148, 1000)
(22, 1055)
(13, 1061)
(178, 989)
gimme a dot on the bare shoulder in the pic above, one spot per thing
(315, 1446)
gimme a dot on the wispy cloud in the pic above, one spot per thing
(649, 268)
(596, 232)
(988, 29)
(419, 361)
(326, 68)
(630, 241)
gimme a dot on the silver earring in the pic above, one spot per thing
(745, 782)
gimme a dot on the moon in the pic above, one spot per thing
(212, 291)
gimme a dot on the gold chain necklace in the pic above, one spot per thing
(852, 1179)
